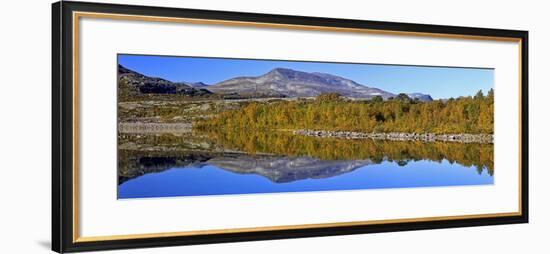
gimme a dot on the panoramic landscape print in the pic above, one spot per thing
(193, 126)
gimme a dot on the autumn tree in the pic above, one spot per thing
(377, 98)
(332, 112)
(329, 97)
(403, 97)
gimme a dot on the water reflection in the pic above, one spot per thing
(281, 169)
(237, 163)
(284, 143)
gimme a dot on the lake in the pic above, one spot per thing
(245, 162)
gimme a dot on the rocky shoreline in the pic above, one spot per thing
(400, 136)
(151, 128)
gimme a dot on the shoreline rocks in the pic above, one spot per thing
(137, 128)
(399, 136)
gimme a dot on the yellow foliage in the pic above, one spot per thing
(330, 112)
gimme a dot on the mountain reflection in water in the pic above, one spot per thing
(240, 163)
(278, 169)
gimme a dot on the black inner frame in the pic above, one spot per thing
(62, 129)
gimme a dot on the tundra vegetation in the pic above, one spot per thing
(472, 115)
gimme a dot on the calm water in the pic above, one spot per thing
(247, 162)
(207, 179)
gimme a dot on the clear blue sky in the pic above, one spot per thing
(439, 82)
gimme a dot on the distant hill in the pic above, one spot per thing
(132, 83)
(291, 83)
(279, 82)
(194, 84)
(420, 96)
(283, 82)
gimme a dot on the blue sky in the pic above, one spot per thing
(439, 82)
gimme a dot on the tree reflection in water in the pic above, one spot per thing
(282, 157)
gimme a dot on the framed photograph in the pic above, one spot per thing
(179, 126)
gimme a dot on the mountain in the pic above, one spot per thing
(194, 84)
(198, 85)
(281, 82)
(420, 96)
(132, 83)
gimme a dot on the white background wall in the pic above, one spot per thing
(25, 126)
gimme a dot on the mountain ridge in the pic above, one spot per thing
(291, 83)
(278, 82)
(133, 83)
